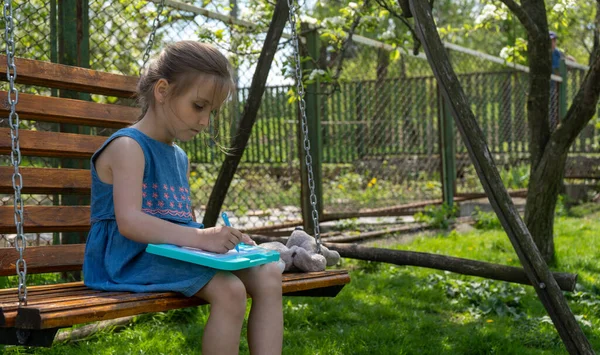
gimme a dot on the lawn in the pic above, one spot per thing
(403, 310)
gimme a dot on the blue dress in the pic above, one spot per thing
(113, 262)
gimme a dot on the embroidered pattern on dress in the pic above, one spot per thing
(183, 214)
(172, 201)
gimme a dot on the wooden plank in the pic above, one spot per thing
(69, 257)
(51, 144)
(54, 258)
(9, 300)
(44, 289)
(40, 219)
(35, 72)
(47, 181)
(72, 305)
(32, 318)
(324, 281)
(81, 297)
(62, 110)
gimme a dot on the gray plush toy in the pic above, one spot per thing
(300, 253)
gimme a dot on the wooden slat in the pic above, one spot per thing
(61, 110)
(9, 299)
(10, 309)
(47, 181)
(35, 318)
(43, 259)
(45, 289)
(39, 219)
(64, 309)
(35, 72)
(51, 144)
(70, 257)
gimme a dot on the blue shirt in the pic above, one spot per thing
(556, 56)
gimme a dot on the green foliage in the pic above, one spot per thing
(485, 220)
(387, 309)
(515, 177)
(37, 279)
(369, 267)
(481, 298)
(438, 217)
(348, 225)
(562, 208)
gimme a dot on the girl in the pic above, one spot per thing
(140, 195)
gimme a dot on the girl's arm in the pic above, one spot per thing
(125, 160)
(245, 237)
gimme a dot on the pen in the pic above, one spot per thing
(228, 224)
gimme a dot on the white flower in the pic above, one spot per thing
(505, 52)
(367, 19)
(315, 73)
(389, 32)
(560, 8)
(487, 13)
(353, 5)
(309, 20)
(335, 21)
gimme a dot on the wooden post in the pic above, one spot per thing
(534, 265)
(74, 49)
(562, 90)
(312, 101)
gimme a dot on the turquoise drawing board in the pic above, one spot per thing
(247, 256)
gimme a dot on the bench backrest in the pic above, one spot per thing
(57, 181)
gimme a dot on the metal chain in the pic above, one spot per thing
(15, 155)
(302, 104)
(155, 26)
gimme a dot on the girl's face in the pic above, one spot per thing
(189, 113)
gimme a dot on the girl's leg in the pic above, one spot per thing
(265, 324)
(227, 297)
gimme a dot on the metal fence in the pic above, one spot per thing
(379, 122)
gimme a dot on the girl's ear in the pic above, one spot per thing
(161, 89)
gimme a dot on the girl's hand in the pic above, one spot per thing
(220, 239)
(247, 240)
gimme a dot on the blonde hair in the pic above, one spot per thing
(180, 64)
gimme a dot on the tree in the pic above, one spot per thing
(529, 255)
(549, 149)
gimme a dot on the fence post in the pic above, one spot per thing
(74, 49)
(447, 150)
(312, 100)
(562, 93)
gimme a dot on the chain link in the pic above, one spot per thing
(302, 105)
(15, 154)
(155, 25)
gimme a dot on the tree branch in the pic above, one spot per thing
(347, 41)
(404, 20)
(527, 22)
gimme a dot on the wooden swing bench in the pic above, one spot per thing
(51, 307)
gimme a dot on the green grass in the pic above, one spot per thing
(403, 310)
